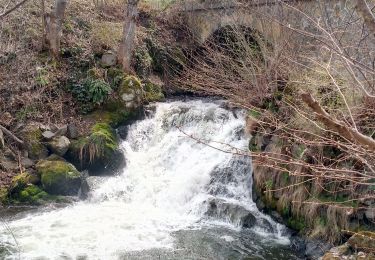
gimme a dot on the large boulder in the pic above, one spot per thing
(109, 59)
(32, 136)
(59, 145)
(59, 177)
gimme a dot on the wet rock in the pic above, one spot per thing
(109, 59)
(59, 145)
(237, 214)
(89, 183)
(316, 249)
(72, 131)
(59, 177)
(248, 221)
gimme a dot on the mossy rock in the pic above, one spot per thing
(4, 198)
(59, 177)
(32, 194)
(97, 152)
(113, 117)
(21, 180)
(364, 240)
(32, 137)
(153, 92)
(130, 92)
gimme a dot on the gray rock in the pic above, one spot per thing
(27, 163)
(72, 131)
(59, 145)
(62, 130)
(8, 165)
(48, 135)
(128, 97)
(109, 59)
(2, 142)
(316, 249)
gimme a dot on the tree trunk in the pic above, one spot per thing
(365, 12)
(53, 24)
(127, 44)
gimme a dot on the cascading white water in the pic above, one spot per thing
(171, 183)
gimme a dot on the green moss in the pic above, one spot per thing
(114, 114)
(99, 145)
(254, 113)
(153, 92)
(4, 198)
(130, 83)
(20, 181)
(104, 137)
(253, 146)
(33, 194)
(32, 137)
(59, 177)
(296, 223)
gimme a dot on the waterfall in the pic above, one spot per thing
(172, 184)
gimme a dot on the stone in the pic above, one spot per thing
(72, 131)
(248, 221)
(32, 136)
(59, 145)
(48, 135)
(2, 142)
(316, 249)
(8, 165)
(59, 177)
(109, 59)
(27, 163)
(61, 130)
(364, 241)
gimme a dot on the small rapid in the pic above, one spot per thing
(177, 198)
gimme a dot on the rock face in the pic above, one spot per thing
(59, 177)
(59, 145)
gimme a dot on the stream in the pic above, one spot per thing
(177, 198)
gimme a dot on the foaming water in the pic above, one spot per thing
(172, 183)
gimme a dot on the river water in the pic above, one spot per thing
(177, 198)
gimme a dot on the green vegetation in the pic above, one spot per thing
(59, 177)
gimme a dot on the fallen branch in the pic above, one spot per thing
(336, 125)
(10, 134)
